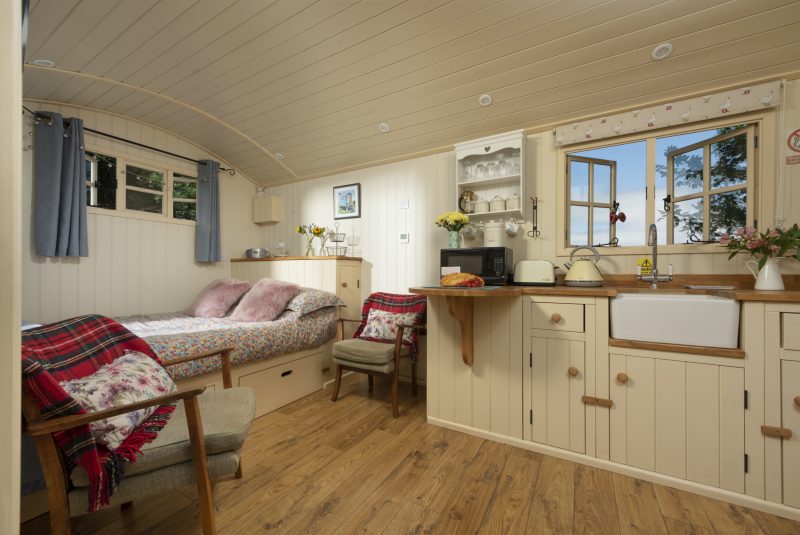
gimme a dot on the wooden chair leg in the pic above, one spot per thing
(338, 382)
(414, 375)
(395, 407)
(238, 474)
(205, 499)
(125, 506)
(371, 382)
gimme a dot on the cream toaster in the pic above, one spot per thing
(535, 273)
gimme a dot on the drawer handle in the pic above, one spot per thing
(286, 373)
(573, 371)
(344, 285)
(556, 317)
(797, 401)
(600, 402)
(776, 432)
(622, 377)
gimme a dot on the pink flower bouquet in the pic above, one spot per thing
(777, 242)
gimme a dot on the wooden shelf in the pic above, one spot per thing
(499, 213)
(678, 348)
(508, 179)
(279, 258)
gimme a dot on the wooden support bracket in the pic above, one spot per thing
(461, 309)
(776, 432)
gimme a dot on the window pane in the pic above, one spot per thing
(729, 162)
(728, 212)
(688, 172)
(688, 220)
(184, 190)
(602, 183)
(143, 202)
(601, 229)
(579, 225)
(579, 181)
(105, 180)
(184, 210)
(144, 178)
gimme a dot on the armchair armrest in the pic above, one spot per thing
(224, 354)
(46, 427)
(398, 340)
(340, 334)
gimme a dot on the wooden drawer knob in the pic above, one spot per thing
(573, 371)
(344, 285)
(622, 377)
(556, 317)
(797, 401)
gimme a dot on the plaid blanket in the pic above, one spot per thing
(397, 304)
(72, 349)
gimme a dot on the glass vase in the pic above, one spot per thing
(309, 249)
(453, 239)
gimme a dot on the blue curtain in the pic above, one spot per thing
(59, 189)
(206, 239)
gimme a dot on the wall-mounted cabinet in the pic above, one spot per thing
(267, 209)
(492, 168)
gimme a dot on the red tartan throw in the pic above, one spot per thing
(72, 349)
(397, 304)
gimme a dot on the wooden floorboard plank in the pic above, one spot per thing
(348, 467)
(682, 506)
(637, 507)
(595, 506)
(510, 507)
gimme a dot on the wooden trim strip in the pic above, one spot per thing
(679, 348)
(279, 258)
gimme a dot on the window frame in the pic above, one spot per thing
(761, 203)
(121, 210)
(591, 204)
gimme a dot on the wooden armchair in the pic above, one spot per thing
(171, 444)
(371, 358)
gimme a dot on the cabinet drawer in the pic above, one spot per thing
(282, 384)
(791, 330)
(557, 317)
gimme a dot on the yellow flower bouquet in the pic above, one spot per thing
(453, 222)
(310, 232)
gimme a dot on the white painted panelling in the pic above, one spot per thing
(134, 265)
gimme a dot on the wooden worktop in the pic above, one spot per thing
(617, 284)
(278, 258)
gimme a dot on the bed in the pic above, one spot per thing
(282, 360)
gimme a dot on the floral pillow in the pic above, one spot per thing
(130, 378)
(310, 300)
(382, 325)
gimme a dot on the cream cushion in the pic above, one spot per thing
(366, 355)
(226, 416)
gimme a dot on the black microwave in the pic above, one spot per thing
(492, 264)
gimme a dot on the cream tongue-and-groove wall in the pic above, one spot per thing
(134, 265)
(429, 185)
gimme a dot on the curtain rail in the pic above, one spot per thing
(131, 142)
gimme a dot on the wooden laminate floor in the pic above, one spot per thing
(348, 467)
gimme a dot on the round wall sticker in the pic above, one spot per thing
(794, 140)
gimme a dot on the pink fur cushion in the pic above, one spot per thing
(217, 298)
(265, 301)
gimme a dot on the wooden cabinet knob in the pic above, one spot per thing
(797, 401)
(344, 285)
(622, 377)
(573, 371)
(556, 317)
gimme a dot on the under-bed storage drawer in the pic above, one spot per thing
(282, 384)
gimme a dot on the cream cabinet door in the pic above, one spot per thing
(790, 389)
(679, 418)
(348, 288)
(558, 415)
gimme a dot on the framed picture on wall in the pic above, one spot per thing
(347, 201)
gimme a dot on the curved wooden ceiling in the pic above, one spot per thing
(312, 79)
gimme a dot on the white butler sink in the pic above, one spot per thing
(695, 320)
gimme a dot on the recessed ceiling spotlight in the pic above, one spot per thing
(661, 51)
(279, 155)
(384, 128)
(485, 100)
(44, 62)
